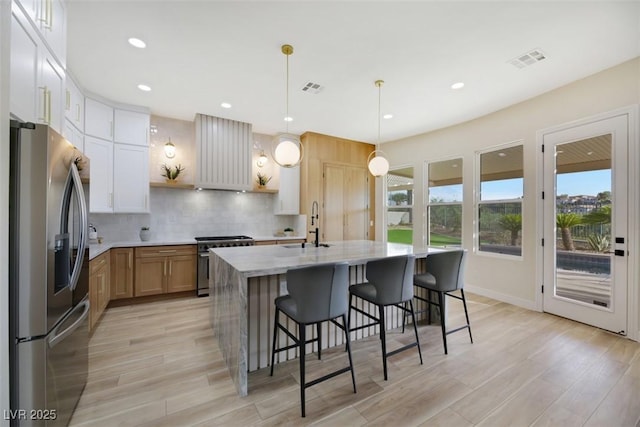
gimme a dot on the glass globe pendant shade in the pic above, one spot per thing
(287, 150)
(169, 150)
(378, 164)
(262, 160)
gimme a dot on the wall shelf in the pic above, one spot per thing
(176, 185)
(264, 190)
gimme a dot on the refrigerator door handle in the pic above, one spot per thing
(56, 337)
(84, 226)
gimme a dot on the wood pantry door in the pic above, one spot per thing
(345, 213)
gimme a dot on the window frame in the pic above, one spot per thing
(428, 204)
(477, 202)
(412, 206)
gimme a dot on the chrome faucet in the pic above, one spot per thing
(315, 216)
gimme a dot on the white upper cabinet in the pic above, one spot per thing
(74, 104)
(24, 67)
(51, 91)
(31, 8)
(36, 78)
(100, 153)
(73, 135)
(124, 133)
(53, 27)
(131, 127)
(131, 178)
(50, 18)
(98, 119)
(288, 200)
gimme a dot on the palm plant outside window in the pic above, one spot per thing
(445, 203)
(499, 201)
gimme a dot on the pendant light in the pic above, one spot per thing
(286, 149)
(377, 162)
(169, 150)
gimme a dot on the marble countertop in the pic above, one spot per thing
(96, 249)
(254, 261)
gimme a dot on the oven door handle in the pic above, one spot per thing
(204, 255)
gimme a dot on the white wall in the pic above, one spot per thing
(503, 278)
(5, 33)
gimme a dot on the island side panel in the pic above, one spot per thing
(228, 295)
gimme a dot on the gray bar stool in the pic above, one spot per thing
(389, 282)
(445, 274)
(316, 294)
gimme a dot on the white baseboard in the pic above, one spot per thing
(510, 299)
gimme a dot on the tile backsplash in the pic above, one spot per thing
(178, 213)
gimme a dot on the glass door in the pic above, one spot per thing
(585, 259)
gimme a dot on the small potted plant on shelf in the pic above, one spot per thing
(288, 231)
(171, 173)
(262, 180)
(145, 234)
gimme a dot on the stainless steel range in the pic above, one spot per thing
(204, 244)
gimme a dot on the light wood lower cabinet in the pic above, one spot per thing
(121, 273)
(165, 269)
(99, 287)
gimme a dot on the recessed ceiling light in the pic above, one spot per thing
(225, 105)
(458, 85)
(144, 88)
(455, 165)
(288, 119)
(589, 153)
(387, 116)
(137, 43)
(502, 154)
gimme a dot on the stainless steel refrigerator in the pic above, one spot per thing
(48, 276)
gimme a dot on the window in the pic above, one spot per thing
(400, 206)
(445, 203)
(500, 201)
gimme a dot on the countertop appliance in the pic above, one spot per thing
(204, 243)
(48, 276)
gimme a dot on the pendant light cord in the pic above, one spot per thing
(287, 91)
(379, 83)
(379, 98)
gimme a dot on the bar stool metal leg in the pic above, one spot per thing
(302, 343)
(466, 314)
(415, 329)
(383, 339)
(275, 336)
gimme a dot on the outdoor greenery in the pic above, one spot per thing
(400, 235)
(565, 222)
(513, 224)
(398, 197)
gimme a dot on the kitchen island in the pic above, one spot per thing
(245, 281)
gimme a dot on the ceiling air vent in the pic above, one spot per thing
(311, 87)
(529, 58)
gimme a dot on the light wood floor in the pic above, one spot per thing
(157, 364)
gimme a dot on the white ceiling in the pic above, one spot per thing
(202, 53)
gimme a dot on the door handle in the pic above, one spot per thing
(617, 252)
(57, 337)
